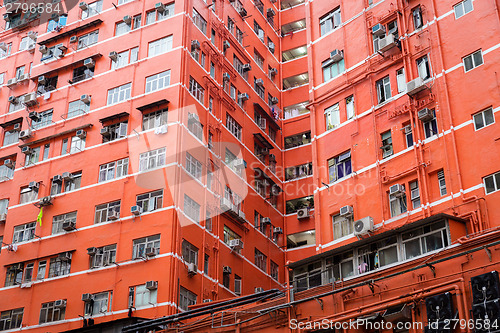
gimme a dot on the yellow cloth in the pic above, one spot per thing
(39, 217)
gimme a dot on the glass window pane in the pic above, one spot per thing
(489, 184)
(478, 121)
(412, 248)
(488, 117)
(468, 63)
(433, 242)
(478, 58)
(468, 6)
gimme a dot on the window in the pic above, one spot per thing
(14, 274)
(194, 126)
(212, 69)
(121, 60)
(418, 21)
(415, 194)
(119, 94)
(401, 80)
(150, 17)
(260, 260)
(330, 21)
(2, 78)
(424, 239)
(229, 235)
(10, 137)
(28, 272)
(11, 319)
(274, 270)
(349, 106)
(101, 303)
(157, 81)
(199, 21)
(196, 90)
(297, 140)
(226, 279)
(408, 131)
(122, 28)
(150, 201)
(56, 24)
(491, 183)
(189, 253)
(59, 266)
(115, 131)
(93, 8)
(77, 145)
(141, 296)
(88, 39)
(4, 204)
(386, 144)
(299, 171)
(186, 299)
(342, 226)
(42, 266)
(32, 157)
(206, 264)
(160, 46)
(424, 70)
(332, 116)
(398, 203)
(339, 166)
(233, 126)
(154, 119)
(441, 182)
(104, 256)
(112, 170)
(237, 285)
(55, 187)
(77, 108)
(6, 53)
(46, 151)
(483, 118)
(430, 126)
(73, 182)
(463, 8)
(193, 166)
(259, 60)
(64, 147)
(191, 208)
(19, 72)
(152, 159)
(258, 30)
(28, 194)
(383, 89)
(473, 60)
(58, 220)
(145, 245)
(44, 119)
(332, 69)
(50, 312)
(27, 43)
(104, 211)
(52, 52)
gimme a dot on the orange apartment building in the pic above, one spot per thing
(319, 159)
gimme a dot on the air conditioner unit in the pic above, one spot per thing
(11, 82)
(192, 269)
(425, 114)
(43, 49)
(89, 63)
(45, 201)
(60, 303)
(195, 44)
(92, 251)
(387, 43)
(127, 19)
(396, 190)
(273, 71)
(378, 29)
(225, 204)
(160, 7)
(193, 116)
(113, 215)
(3, 217)
(415, 194)
(57, 179)
(246, 67)
(259, 82)
(13, 99)
(266, 220)
(25, 134)
(73, 39)
(150, 252)
(3, 46)
(261, 35)
(346, 211)
(113, 55)
(227, 270)
(336, 55)
(8, 163)
(226, 45)
(83, 5)
(415, 86)
(29, 99)
(363, 226)
(32, 35)
(66, 256)
(69, 225)
(243, 97)
(226, 77)
(207, 300)
(136, 210)
(303, 213)
(239, 163)
(243, 12)
(407, 129)
(42, 79)
(33, 115)
(105, 131)
(82, 134)
(67, 176)
(61, 47)
(23, 77)
(17, 127)
(26, 150)
(87, 297)
(152, 285)
(85, 99)
(274, 100)
(258, 289)
(277, 231)
(236, 244)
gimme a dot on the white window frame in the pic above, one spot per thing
(119, 94)
(484, 120)
(473, 60)
(464, 11)
(159, 46)
(157, 81)
(102, 211)
(141, 244)
(493, 179)
(332, 116)
(152, 159)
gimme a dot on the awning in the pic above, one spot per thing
(264, 113)
(113, 117)
(93, 56)
(263, 140)
(152, 105)
(11, 122)
(70, 32)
